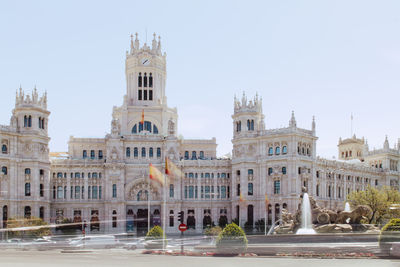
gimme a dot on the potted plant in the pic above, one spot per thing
(154, 238)
(390, 233)
(232, 240)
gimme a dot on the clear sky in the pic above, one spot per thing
(322, 58)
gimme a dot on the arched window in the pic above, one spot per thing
(4, 170)
(238, 126)
(158, 152)
(30, 121)
(60, 192)
(145, 80)
(27, 171)
(277, 150)
(140, 80)
(143, 152)
(150, 152)
(270, 151)
(150, 81)
(92, 155)
(201, 154)
(284, 150)
(94, 175)
(186, 154)
(252, 125)
(59, 175)
(41, 190)
(128, 152)
(40, 122)
(135, 152)
(194, 155)
(248, 125)
(43, 124)
(25, 121)
(283, 170)
(84, 154)
(4, 149)
(155, 129)
(27, 189)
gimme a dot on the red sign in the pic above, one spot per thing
(182, 227)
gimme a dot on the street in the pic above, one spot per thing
(118, 257)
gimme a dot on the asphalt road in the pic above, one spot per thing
(119, 258)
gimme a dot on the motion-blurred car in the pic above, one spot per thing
(95, 242)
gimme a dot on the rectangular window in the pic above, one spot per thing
(114, 222)
(195, 192)
(143, 152)
(250, 189)
(114, 190)
(186, 154)
(171, 221)
(92, 154)
(223, 191)
(41, 190)
(277, 187)
(89, 192)
(238, 190)
(94, 192)
(77, 192)
(72, 192)
(171, 191)
(202, 191)
(207, 191)
(100, 154)
(100, 192)
(140, 95)
(27, 189)
(83, 192)
(84, 154)
(158, 152)
(150, 94)
(269, 171)
(144, 94)
(185, 191)
(191, 191)
(150, 152)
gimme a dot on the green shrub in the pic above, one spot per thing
(389, 233)
(232, 236)
(35, 227)
(213, 231)
(155, 233)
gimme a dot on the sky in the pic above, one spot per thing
(327, 59)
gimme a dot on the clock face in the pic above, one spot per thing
(145, 61)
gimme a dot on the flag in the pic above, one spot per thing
(156, 175)
(172, 170)
(142, 121)
(241, 198)
(266, 200)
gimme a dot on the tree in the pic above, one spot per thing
(68, 226)
(27, 227)
(379, 200)
(155, 233)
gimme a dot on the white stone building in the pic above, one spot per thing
(104, 181)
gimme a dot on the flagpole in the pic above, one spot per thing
(265, 222)
(148, 205)
(165, 200)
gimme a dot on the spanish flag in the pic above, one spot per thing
(172, 170)
(142, 121)
(156, 175)
(241, 198)
(266, 200)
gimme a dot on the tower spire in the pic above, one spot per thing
(292, 122)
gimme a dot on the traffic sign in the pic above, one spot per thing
(182, 227)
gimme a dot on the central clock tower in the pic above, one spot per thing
(145, 71)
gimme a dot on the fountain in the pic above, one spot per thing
(347, 207)
(306, 224)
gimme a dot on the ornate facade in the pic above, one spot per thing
(104, 181)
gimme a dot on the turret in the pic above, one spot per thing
(145, 73)
(247, 116)
(352, 148)
(30, 112)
